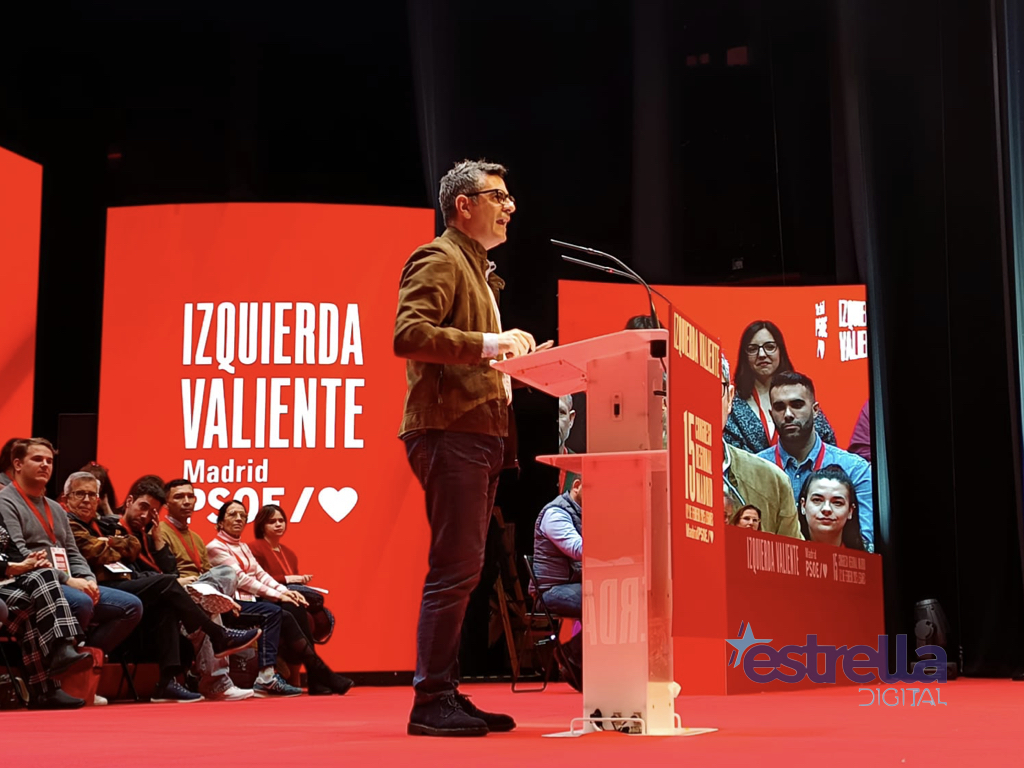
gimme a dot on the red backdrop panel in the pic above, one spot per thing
(698, 530)
(723, 576)
(786, 590)
(21, 189)
(592, 309)
(254, 335)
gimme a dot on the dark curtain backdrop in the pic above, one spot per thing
(919, 203)
(732, 141)
(1008, 40)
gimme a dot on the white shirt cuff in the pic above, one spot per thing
(490, 346)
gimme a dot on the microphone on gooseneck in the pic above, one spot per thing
(626, 272)
(612, 271)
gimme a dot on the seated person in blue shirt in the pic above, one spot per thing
(828, 509)
(800, 451)
(557, 565)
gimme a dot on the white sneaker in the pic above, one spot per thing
(234, 693)
(99, 701)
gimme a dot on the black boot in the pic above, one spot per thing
(322, 677)
(64, 658)
(56, 700)
(496, 723)
(444, 716)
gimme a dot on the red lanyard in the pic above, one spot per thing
(282, 559)
(817, 462)
(147, 558)
(192, 552)
(44, 518)
(231, 548)
(773, 438)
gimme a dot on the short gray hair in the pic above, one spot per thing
(568, 401)
(76, 476)
(464, 177)
(725, 370)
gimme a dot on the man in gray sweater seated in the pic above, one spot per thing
(37, 523)
(557, 564)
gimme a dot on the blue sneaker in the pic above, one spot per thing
(174, 692)
(233, 640)
(276, 687)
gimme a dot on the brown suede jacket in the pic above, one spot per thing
(444, 309)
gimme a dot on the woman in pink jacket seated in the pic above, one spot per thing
(254, 583)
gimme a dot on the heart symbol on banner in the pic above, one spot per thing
(338, 502)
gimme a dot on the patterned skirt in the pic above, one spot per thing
(39, 617)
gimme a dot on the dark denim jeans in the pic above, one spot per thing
(459, 475)
(565, 600)
(271, 616)
(109, 621)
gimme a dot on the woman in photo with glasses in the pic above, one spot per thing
(761, 355)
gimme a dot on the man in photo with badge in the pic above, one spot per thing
(39, 524)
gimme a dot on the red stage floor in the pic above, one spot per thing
(981, 723)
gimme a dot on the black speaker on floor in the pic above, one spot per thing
(931, 627)
(76, 447)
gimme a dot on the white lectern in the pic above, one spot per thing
(628, 681)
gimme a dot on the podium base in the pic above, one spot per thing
(630, 726)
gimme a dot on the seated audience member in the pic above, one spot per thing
(748, 516)
(828, 506)
(860, 440)
(557, 558)
(800, 450)
(256, 588)
(36, 523)
(749, 480)
(641, 323)
(194, 563)
(646, 322)
(282, 564)
(108, 499)
(127, 555)
(40, 619)
(762, 354)
(6, 464)
(566, 418)
(208, 586)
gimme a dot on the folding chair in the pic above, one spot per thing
(541, 630)
(17, 683)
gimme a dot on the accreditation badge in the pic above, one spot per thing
(59, 558)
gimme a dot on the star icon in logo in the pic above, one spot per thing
(745, 639)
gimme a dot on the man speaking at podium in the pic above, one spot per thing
(456, 425)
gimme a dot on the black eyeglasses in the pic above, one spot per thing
(769, 347)
(500, 196)
(83, 495)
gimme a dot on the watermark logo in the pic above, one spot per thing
(860, 663)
